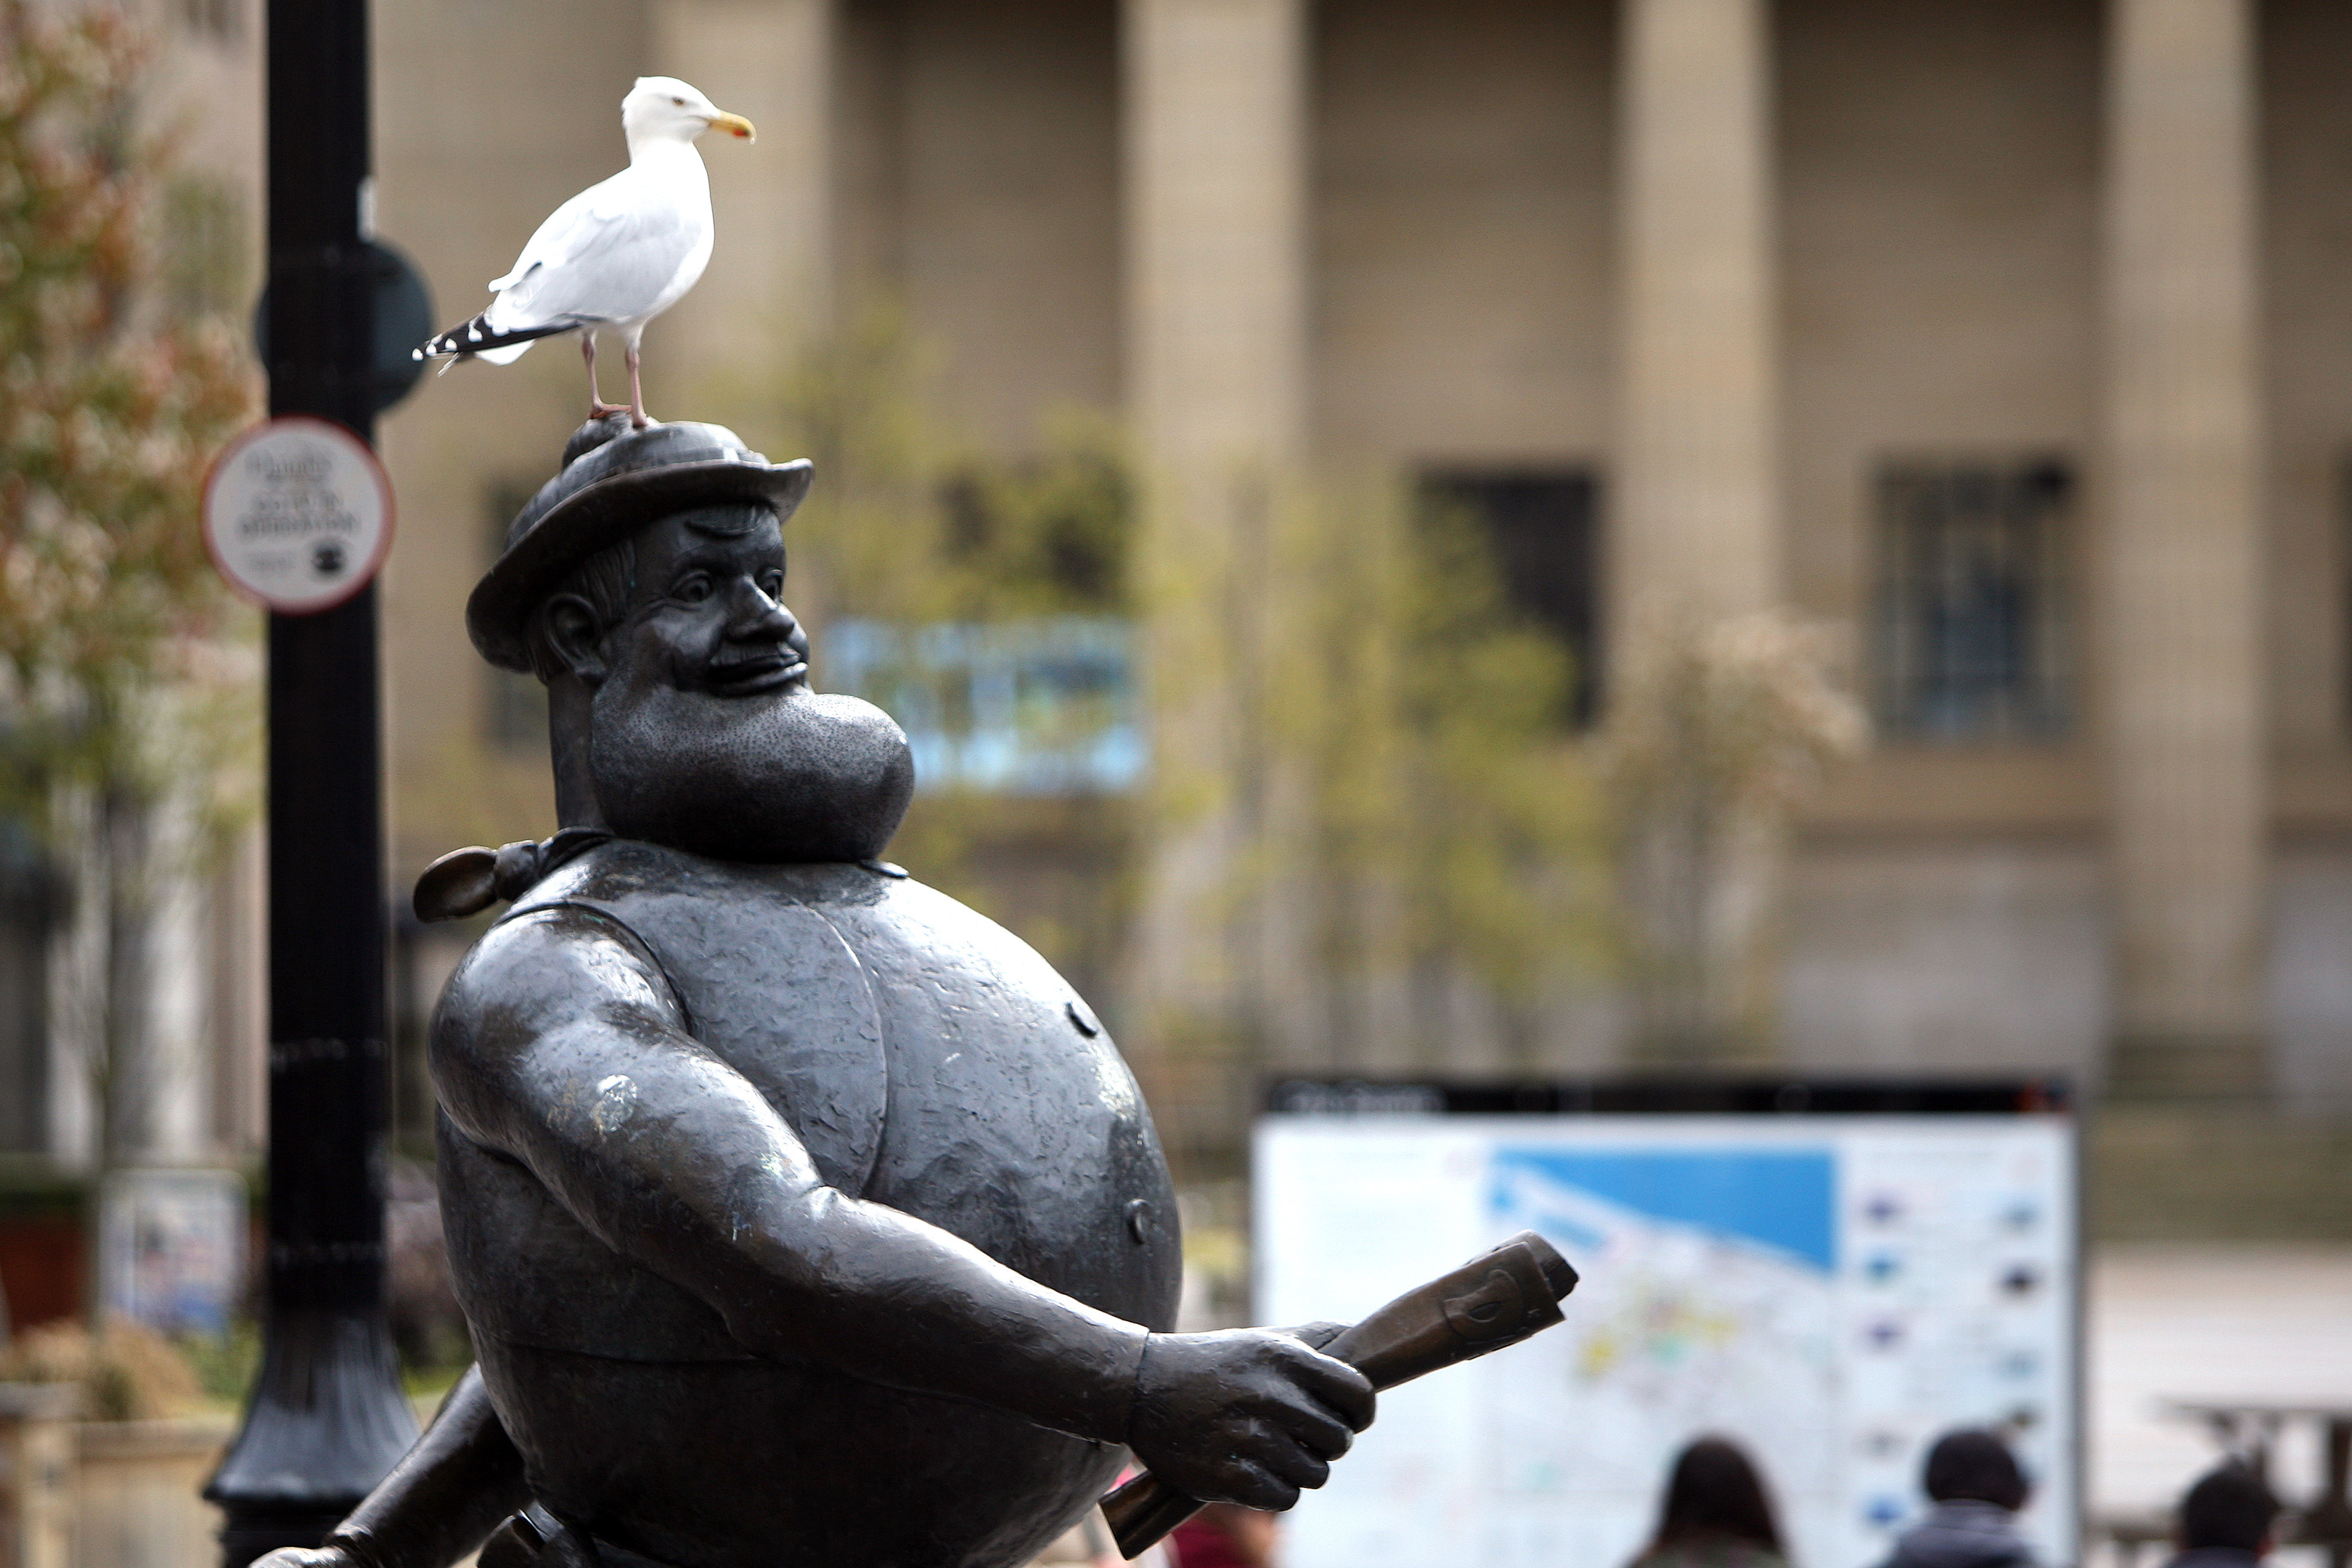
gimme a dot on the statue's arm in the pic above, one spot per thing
(447, 1495)
(561, 1045)
(441, 1501)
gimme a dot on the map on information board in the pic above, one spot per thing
(1831, 1291)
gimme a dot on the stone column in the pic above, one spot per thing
(1695, 499)
(1216, 373)
(2180, 559)
(1217, 229)
(1695, 535)
(770, 283)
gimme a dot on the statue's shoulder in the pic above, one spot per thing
(546, 963)
(629, 877)
(687, 908)
(768, 971)
(605, 871)
(615, 871)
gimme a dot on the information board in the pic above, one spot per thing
(1831, 1291)
(172, 1248)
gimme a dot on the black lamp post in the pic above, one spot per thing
(327, 1418)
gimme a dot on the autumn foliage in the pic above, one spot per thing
(112, 403)
(126, 697)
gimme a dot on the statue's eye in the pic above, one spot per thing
(772, 584)
(693, 590)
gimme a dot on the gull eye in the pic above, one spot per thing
(679, 101)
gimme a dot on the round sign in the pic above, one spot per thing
(298, 514)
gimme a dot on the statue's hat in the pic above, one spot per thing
(613, 485)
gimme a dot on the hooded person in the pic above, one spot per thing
(802, 1216)
(1974, 1484)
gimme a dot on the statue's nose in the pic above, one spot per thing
(755, 618)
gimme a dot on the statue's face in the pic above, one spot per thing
(708, 611)
(703, 732)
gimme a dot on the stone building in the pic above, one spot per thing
(2005, 335)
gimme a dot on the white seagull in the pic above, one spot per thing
(616, 255)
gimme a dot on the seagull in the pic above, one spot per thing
(616, 255)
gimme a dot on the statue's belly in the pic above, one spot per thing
(639, 1417)
(1047, 1181)
(1013, 1120)
(1010, 1121)
(753, 1465)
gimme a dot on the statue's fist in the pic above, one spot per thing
(328, 1556)
(1246, 1416)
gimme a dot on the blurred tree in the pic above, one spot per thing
(912, 521)
(1716, 731)
(125, 672)
(1424, 871)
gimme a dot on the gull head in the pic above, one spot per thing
(663, 109)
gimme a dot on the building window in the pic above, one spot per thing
(1039, 706)
(514, 710)
(1971, 632)
(1545, 526)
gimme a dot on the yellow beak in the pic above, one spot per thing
(734, 124)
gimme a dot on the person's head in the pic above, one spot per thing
(1973, 1464)
(645, 587)
(2229, 1506)
(1714, 1493)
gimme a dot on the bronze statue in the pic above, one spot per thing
(802, 1215)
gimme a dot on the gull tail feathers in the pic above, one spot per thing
(478, 339)
(506, 355)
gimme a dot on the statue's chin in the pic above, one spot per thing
(772, 780)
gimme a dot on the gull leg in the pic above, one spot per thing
(597, 407)
(638, 417)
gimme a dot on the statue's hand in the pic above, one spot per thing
(328, 1556)
(1246, 1416)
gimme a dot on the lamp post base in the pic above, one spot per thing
(327, 1421)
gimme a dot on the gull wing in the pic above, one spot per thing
(607, 255)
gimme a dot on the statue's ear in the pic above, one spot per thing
(577, 635)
